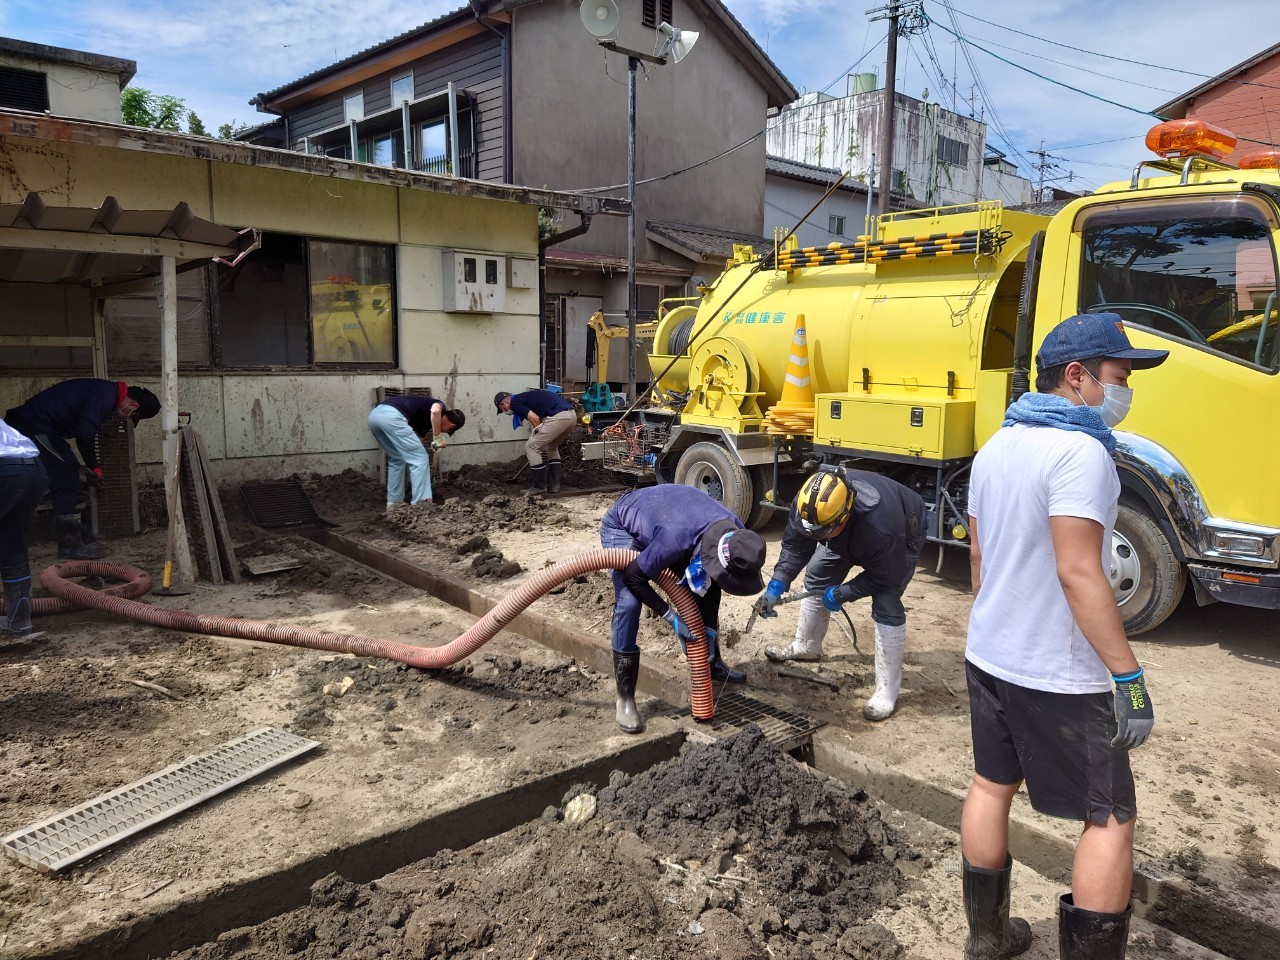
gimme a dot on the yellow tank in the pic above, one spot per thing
(918, 311)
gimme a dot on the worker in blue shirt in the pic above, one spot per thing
(22, 487)
(76, 409)
(552, 417)
(698, 539)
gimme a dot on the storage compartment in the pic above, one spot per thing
(930, 428)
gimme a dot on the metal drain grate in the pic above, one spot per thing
(72, 835)
(782, 727)
(280, 504)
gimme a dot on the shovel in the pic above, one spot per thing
(167, 589)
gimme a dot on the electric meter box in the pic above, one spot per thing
(474, 282)
(522, 274)
(926, 428)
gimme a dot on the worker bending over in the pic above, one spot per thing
(22, 487)
(551, 417)
(701, 542)
(841, 519)
(1046, 644)
(404, 426)
(76, 408)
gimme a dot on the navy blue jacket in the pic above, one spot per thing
(542, 402)
(70, 409)
(875, 538)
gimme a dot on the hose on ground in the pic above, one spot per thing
(57, 580)
(138, 584)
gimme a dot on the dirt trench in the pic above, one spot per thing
(730, 850)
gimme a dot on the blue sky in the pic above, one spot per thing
(217, 56)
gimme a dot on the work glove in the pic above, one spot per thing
(94, 476)
(678, 625)
(436, 443)
(1134, 715)
(833, 598)
(769, 599)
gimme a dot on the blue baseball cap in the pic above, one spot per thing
(1089, 335)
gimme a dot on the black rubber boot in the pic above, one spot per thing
(992, 932)
(70, 545)
(553, 475)
(17, 601)
(1087, 935)
(538, 478)
(626, 671)
(721, 672)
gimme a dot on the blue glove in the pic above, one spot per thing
(769, 599)
(677, 625)
(833, 598)
(1134, 714)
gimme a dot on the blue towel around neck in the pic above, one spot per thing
(1051, 410)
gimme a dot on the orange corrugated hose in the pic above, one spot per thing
(56, 580)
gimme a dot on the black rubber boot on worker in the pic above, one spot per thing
(626, 671)
(993, 934)
(721, 672)
(17, 601)
(1087, 935)
(538, 481)
(70, 544)
(553, 475)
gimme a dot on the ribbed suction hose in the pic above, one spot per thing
(56, 580)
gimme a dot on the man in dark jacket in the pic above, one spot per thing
(703, 543)
(76, 409)
(842, 519)
(552, 417)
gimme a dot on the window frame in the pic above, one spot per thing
(835, 224)
(349, 115)
(394, 80)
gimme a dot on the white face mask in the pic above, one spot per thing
(1116, 401)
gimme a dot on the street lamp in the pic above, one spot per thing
(601, 19)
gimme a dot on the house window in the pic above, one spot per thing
(433, 147)
(24, 89)
(352, 302)
(835, 226)
(353, 107)
(653, 12)
(401, 89)
(298, 302)
(953, 152)
(648, 297)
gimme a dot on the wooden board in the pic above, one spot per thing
(195, 507)
(221, 535)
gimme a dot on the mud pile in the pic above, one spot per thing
(730, 851)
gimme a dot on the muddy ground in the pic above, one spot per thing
(99, 703)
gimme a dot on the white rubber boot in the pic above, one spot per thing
(811, 628)
(890, 645)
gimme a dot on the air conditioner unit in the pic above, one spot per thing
(474, 282)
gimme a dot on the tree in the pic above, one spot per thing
(141, 107)
(227, 131)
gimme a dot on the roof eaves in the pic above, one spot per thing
(1179, 102)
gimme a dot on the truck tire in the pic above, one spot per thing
(709, 468)
(761, 479)
(1146, 575)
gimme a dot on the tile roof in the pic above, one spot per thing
(795, 170)
(703, 242)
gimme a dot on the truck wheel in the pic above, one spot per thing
(710, 469)
(1146, 575)
(761, 479)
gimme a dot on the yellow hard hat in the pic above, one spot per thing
(823, 504)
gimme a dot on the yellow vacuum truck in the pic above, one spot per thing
(916, 337)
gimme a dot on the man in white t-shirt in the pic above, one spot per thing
(1046, 644)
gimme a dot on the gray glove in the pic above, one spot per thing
(1134, 715)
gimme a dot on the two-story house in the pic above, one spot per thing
(517, 91)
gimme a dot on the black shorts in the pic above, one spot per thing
(1059, 743)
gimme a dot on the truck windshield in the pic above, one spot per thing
(1198, 269)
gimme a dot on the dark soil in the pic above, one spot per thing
(730, 850)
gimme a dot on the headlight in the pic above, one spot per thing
(1238, 544)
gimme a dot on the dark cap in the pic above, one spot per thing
(1090, 335)
(148, 403)
(498, 398)
(733, 556)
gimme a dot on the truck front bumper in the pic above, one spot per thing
(1249, 588)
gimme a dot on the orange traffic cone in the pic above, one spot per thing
(793, 413)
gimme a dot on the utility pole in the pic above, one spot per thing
(894, 12)
(1045, 163)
